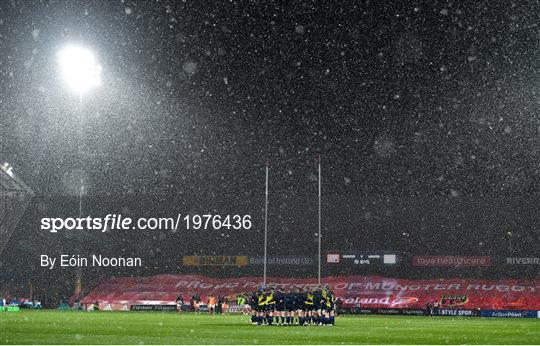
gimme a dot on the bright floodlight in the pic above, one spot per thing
(79, 69)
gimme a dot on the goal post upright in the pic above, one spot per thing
(319, 232)
(265, 226)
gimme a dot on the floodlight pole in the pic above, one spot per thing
(319, 233)
(78, 270)
(265, 226)
(80, 151)
(81, 73)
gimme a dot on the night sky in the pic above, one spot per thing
(426, 116)
(435, 98)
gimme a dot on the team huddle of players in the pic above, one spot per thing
(299, 307)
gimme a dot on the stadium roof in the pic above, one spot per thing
(14, 198)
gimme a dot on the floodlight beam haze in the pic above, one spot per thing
(79, 69)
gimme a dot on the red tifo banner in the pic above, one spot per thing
(364, 291)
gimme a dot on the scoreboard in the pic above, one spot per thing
(362, 258)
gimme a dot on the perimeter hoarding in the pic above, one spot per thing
(452, 261)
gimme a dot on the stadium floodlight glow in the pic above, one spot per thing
(79, 68)
(7, 168)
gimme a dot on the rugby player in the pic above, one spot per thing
(300, 306)
(309, 307)
(253, 304)
(290, 306)
(261, 306)
(280, 307)
(329, 306)
(318, 305)
(270, 306)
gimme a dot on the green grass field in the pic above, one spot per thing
(71, 327)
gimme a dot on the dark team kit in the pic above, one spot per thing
(273, 306)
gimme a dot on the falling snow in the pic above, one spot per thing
(426, 118)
